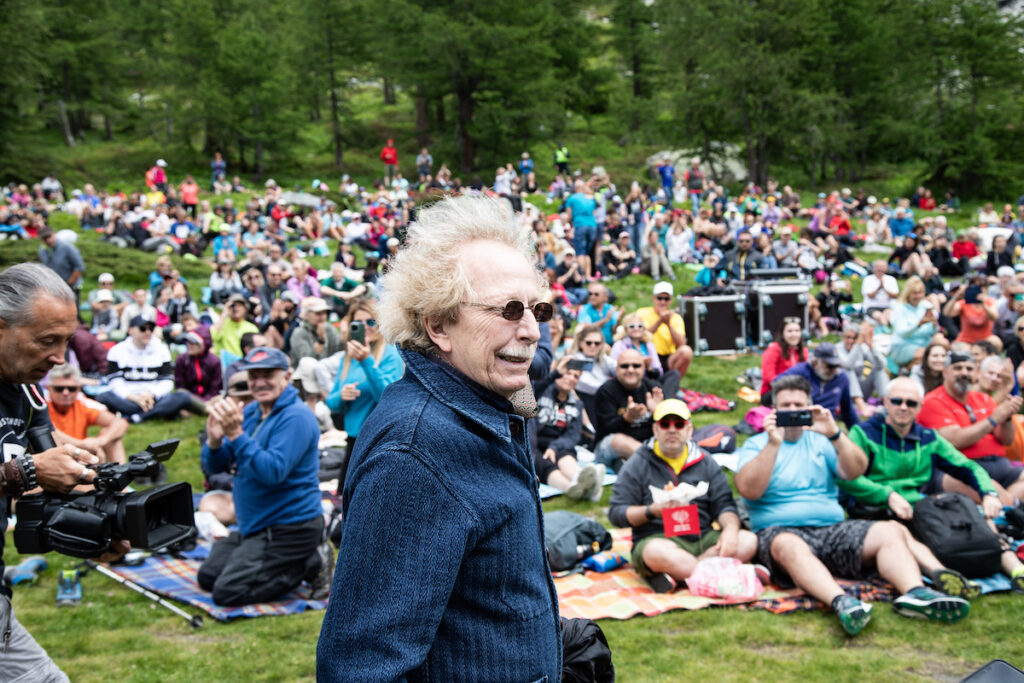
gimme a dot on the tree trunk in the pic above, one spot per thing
(108, 127)
(439, 115)
(464, 90)
(708, 157)
(389, 91)
(257, 159)
(65, 125)
(748, 136)
(243, 165)
(422, 119)
(335, 116)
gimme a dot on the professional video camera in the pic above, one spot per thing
(86, 524)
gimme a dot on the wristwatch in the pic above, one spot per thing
(27, 467)
(835, 437)
(992, 493)
(650, 515)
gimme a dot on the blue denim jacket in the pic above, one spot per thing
(442, 573)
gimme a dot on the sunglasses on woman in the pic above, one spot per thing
(514, 310)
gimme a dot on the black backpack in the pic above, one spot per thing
(571, 538)
(953, 528)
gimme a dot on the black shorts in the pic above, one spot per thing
(1000, 469)
(840, 547)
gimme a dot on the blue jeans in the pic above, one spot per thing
(166, 406)
(695, 198)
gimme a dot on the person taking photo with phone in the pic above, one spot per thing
(787, 477)
(370, 365)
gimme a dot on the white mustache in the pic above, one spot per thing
(519, 352)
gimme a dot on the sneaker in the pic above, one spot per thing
(952, 582)
(662, 583)
(926, 603)
(69, 588)
(598, 490)
(321, 586)
(853, 614)
(583, 484)
(1017, 582)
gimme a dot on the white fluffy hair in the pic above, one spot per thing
(426, 281)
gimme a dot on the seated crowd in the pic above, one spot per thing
(286, 361)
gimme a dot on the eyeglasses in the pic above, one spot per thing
(593, 293)
(664, 297)
(514, 310)
(673, 423)
(64, 389)
(591, 343)
(635, 326)
(1020, 329)
(911, 402)
(631, 366)
(371, 322)
(288, 309)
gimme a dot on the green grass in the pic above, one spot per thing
(118, 635)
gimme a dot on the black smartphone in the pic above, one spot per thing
(971, 294)
(793, 418)
(578, 364)
(357, 331)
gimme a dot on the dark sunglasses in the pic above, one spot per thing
(64, 390)
(371, 322)
(147, 328)
(911, 402)
(635, 326)
(634, 366)
(674, 423)
(289, 309)
(591, 343)
(1020, 329)
(663, 297)
(514, 310)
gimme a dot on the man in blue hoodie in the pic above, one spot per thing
(271, 445)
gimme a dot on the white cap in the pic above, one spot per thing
(663, 288)
(161, 163)
(1004, 271)
(872, 199)
(105, 277)
(107, 295)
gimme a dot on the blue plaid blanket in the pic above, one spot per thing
(176, 579)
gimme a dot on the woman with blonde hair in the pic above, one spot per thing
(914, 324)
(598, 367)
(370, 365)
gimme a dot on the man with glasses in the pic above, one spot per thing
(72, 416)
(597, 311)
(314, 337)
(975, 424)
(908, 462)
(787, 477)
(622, 410)
(667, 329)
(140, 376)
(741, 261)
(445, 574)
(672, 457)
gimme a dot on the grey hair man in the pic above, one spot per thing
(38, 315)
(465, 589)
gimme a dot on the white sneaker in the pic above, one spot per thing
(583, 484)
(598, 490)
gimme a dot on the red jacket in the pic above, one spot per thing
(389, 155)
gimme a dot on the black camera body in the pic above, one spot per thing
(793, 418)
(87, 524)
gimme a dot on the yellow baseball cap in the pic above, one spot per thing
(671, 406)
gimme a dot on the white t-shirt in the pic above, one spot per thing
(883, 298)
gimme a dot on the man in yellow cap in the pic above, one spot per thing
(667, 555)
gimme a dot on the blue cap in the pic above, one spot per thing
(266, 358)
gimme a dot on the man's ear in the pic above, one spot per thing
(438, 334)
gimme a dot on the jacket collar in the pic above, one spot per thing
(461, 394)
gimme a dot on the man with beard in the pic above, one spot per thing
(974, 423)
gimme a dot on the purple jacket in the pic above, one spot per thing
(200, 374)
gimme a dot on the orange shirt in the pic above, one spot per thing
(76, 422)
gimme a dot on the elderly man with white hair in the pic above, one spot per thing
(446, 574)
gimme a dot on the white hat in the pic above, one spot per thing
(872, 199)
(105, 277)
(305, 374)
(107, 295)
(161, 163)
(1004, 271)
(664, 288)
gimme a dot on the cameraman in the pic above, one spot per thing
(37, 317)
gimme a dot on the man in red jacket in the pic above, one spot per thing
(389, 155)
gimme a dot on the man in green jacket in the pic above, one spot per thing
(907, 462)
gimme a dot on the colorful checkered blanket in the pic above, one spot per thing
(621, 594)
(176, 579)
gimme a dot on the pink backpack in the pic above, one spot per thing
(755, 418)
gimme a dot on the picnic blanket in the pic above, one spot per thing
(175, 578)
(621, 594)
